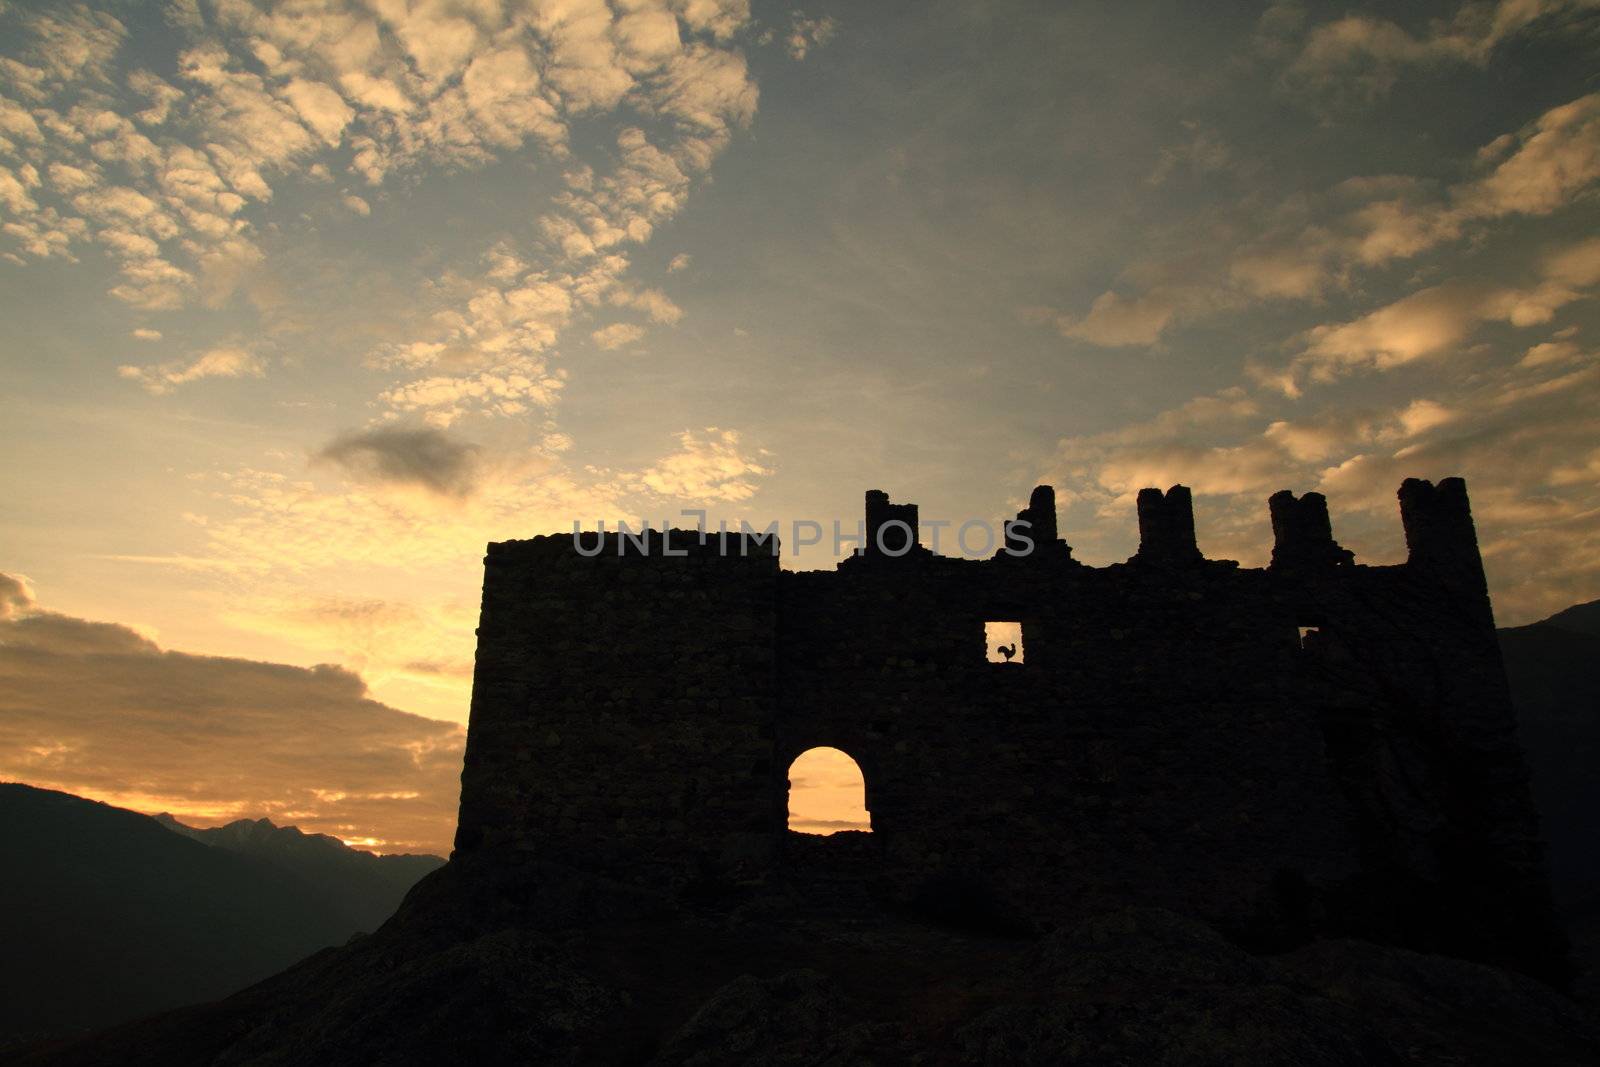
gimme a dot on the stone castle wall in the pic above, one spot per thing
(1171, 737)
(622, 708)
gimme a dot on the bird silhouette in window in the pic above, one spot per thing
(1007, 650)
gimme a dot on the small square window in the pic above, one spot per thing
(1003, 641)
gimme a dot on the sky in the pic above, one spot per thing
(306, 302)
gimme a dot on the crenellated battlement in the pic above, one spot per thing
(1439, 530)
(1166, 526)
(1440, 534)
(1438, 523)
(891, 529)
(1043, 535)
(1302, 535)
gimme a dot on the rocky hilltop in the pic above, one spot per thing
(539, 964)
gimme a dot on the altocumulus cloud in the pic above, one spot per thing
(420, 456)
(217, 363)
(709, 468)
(97, 709)
(169, 156)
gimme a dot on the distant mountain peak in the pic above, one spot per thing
(1580, 618)
(253, 835)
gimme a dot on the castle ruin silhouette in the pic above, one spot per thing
(1314, 748)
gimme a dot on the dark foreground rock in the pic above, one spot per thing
(541, 966)
(1147, 986)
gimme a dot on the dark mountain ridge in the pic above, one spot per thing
(362, 886)
(1580, 618)
(107, 914)
(1553, 667)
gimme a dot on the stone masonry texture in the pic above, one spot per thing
(1317, 748)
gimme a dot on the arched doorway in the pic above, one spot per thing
(827, 793)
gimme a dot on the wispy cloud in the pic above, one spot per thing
(617, 335)
(1361, 224)
(162, 378)
(1361, 56)
(1436, 320)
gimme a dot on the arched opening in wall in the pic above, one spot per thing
(827, 793)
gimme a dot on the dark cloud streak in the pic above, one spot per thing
(419, 456)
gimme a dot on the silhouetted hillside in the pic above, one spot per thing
(364, 887)
(1554, 670)
(106, 915)
(1580, 618)
(541, 964)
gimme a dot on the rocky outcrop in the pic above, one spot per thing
(545, 965)
(794, 1017)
